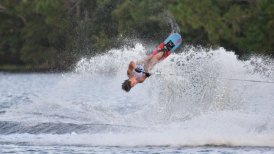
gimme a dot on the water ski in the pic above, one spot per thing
(170, 44)
(173, 41)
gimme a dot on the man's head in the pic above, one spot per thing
(126, 85)
(129, 83)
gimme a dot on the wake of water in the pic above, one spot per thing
(181, 106)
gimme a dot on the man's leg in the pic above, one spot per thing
(154, 60)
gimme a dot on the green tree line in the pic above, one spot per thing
(53, 34)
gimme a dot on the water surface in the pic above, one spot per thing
(189, 105)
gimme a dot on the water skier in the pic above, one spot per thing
(137, 72)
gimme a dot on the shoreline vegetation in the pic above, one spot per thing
(51, 35)
(15, 68)
(27, 69)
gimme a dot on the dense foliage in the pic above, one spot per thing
(52, 34)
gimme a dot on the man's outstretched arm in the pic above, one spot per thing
(146, 75)
(131, 67)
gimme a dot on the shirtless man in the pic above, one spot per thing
(138, 71)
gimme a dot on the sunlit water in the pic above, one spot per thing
(189, 105)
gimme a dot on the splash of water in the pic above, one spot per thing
(212, 110)
(182, 105)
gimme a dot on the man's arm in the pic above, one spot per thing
(141, 80)
(146, 75)
(131, 67)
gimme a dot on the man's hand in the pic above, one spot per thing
(147, 74)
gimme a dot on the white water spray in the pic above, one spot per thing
(184, 106)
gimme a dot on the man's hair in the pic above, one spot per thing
(126, 85)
